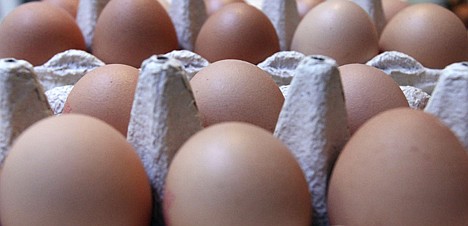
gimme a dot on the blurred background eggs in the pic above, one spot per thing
(430, 33)
(237, 31)
(36, 31)
(130, 31)
(461, 11)
(339, 29)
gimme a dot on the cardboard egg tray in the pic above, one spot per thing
(43, 90)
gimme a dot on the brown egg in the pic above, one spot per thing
(392, 7)
(36, 31)
(234, 90)
(130, 31)
(235, 174)
(214, 5)
(339, 29)
(71, 6)
(304, 6)
(462, 12)
(403, 167)
(430, 33)
(368, 91)
(106, 93)
(74, 170)
(237, 31)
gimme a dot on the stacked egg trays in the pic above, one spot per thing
(436, 91)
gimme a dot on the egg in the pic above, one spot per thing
(36, 31)
(130, 31)
(339, 29)
(237, 31)
(214, 5)
(106, 93)
(75, 170)
(403, 167)
(392, 7)
(368, 91)
(71, 6)
(461, 11)
(430, 33)
(235, 90)
(304, 6)
(235, 174)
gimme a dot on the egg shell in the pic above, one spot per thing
(235, 174)
(304, 6)
(74, 169)
(237, 31)
(234, 90)
(106, 93)
(392, 7)
(461, 11)
(403, 167)
(339, 29)
(214, 5)
(130, 31)
(430, 33)
(368, 91)
(36, 31)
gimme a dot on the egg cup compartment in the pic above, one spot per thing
(164, 113)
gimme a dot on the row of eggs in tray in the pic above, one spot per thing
(256, 167)
(128, 32)
(406, 166)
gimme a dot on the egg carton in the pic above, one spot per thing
(164, 114)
